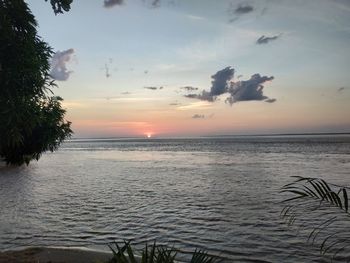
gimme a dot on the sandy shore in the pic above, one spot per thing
(54, 255)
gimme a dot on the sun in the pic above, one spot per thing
(148, 134)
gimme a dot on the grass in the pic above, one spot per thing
(154, 254)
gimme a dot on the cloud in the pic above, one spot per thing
(193, 96)
(221, 80)
(156, 3)
(248, 90)
(235, 11)
(174, 104)
(153, 3)
(270, 100)
(341, 89)
(125, 93)
(199, 105)
(243, 9)
(154, 88)
(205, 95)
(189, 88)
(128, 99)
(220, 85)
(265, 40)
(111, 3)
(107, 67)
(58, 65)
(107, 71)
(198, 116)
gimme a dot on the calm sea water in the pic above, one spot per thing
(219, 194)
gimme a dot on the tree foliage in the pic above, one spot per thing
(59, 6)
(321, 210)
(31, 118)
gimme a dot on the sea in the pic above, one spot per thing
(218, 194)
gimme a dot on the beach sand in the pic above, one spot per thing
(54, 255)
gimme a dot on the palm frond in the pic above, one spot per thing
(153, 254)
(321, 208)
(200, 256)
(317, 189)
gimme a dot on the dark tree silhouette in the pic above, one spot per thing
(59, 6)
(31, 118)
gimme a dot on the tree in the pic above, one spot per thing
(31, 117)
(59, 6)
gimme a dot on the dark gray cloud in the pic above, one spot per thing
(270, 100)
(189, 88)
(107, 67)
(111, 3)
(235, 11)
(243, 9)
(154, 88)
(251, 89)
(192, 96)
(198, 116)
(125, 93)
(248, 90)
(221, 81)
(146, 72)
(107, 71)
(220, 85)
(155, 3)
(265, 40)
(204, 95)
(341, 89)
(59, 60)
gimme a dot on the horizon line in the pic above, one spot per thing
(218, 135)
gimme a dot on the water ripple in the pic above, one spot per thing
(215, 194)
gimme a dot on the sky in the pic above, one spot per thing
(161, 68)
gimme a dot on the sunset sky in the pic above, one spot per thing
(138, 67)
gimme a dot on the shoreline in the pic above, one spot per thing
(55, 255)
